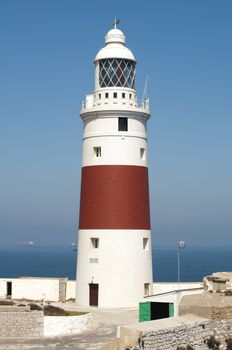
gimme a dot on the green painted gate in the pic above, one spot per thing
(171, 310)
(144, 311)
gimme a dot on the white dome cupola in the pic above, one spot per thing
(115, 36)
(115, 63)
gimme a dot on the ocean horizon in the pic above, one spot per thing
(60, 261)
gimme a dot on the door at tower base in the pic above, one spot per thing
(93, 294)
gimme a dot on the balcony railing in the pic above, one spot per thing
(92, 102)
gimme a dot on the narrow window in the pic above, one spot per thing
(115, 94)
(93, 260)
(123, 95)
(130, 96)
(145, 244)
(99, 96)
(142, 153)
(94, 242)
(106, 95)
(97, 151)
(122, 124)
(146, 289)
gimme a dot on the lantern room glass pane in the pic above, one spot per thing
(117, 72)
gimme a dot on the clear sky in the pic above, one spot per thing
(47, 49)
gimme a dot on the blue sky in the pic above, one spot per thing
(47, 50)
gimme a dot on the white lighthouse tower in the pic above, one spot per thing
(114, 267)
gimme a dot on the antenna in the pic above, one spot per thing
(145, 90)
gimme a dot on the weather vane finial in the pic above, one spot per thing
(116, 21)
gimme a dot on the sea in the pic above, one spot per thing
(195, 263)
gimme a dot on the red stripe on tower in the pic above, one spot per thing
(114, 197)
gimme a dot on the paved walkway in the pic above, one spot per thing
(102, 330)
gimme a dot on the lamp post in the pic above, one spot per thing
(181, 245)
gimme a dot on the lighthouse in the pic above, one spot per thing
(114, 264)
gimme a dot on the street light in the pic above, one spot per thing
(181, 245)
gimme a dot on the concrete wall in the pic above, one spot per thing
(163, 287)
(21, 324)
(3, 288)
(207, 305)
(62, 325)
(202, 336)
(70, 290)
(35, 289)
(38, 288)
(119, 256)
(173, 297)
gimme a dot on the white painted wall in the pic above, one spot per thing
(61, 325)
(122, 269)
(126, 151)
(3, 287)
(107, 124)
(117, 147)
(163, 287)
(173, 297)
(99, 99)
(70, 290)
(36, 288)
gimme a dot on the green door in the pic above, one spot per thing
(144, 312)
(171, 310)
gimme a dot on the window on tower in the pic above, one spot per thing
(117, 72)
(142, 154)
(94, 242)
(97, 151)
(146, 289)
(145, 244)
(122, 124)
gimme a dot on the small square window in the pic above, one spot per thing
(122, 124)
(97, 151)
(106, 95)
(146, 289)
(142, 154)
(123, 95)
(94, 242)
(145, 244)
(115, 95)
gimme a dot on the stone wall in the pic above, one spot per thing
(215, 334)
(219, 313)
(21, 324)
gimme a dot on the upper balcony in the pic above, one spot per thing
(115, 101)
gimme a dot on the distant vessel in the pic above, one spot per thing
(27, 244)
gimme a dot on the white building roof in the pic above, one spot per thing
(115, 47)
